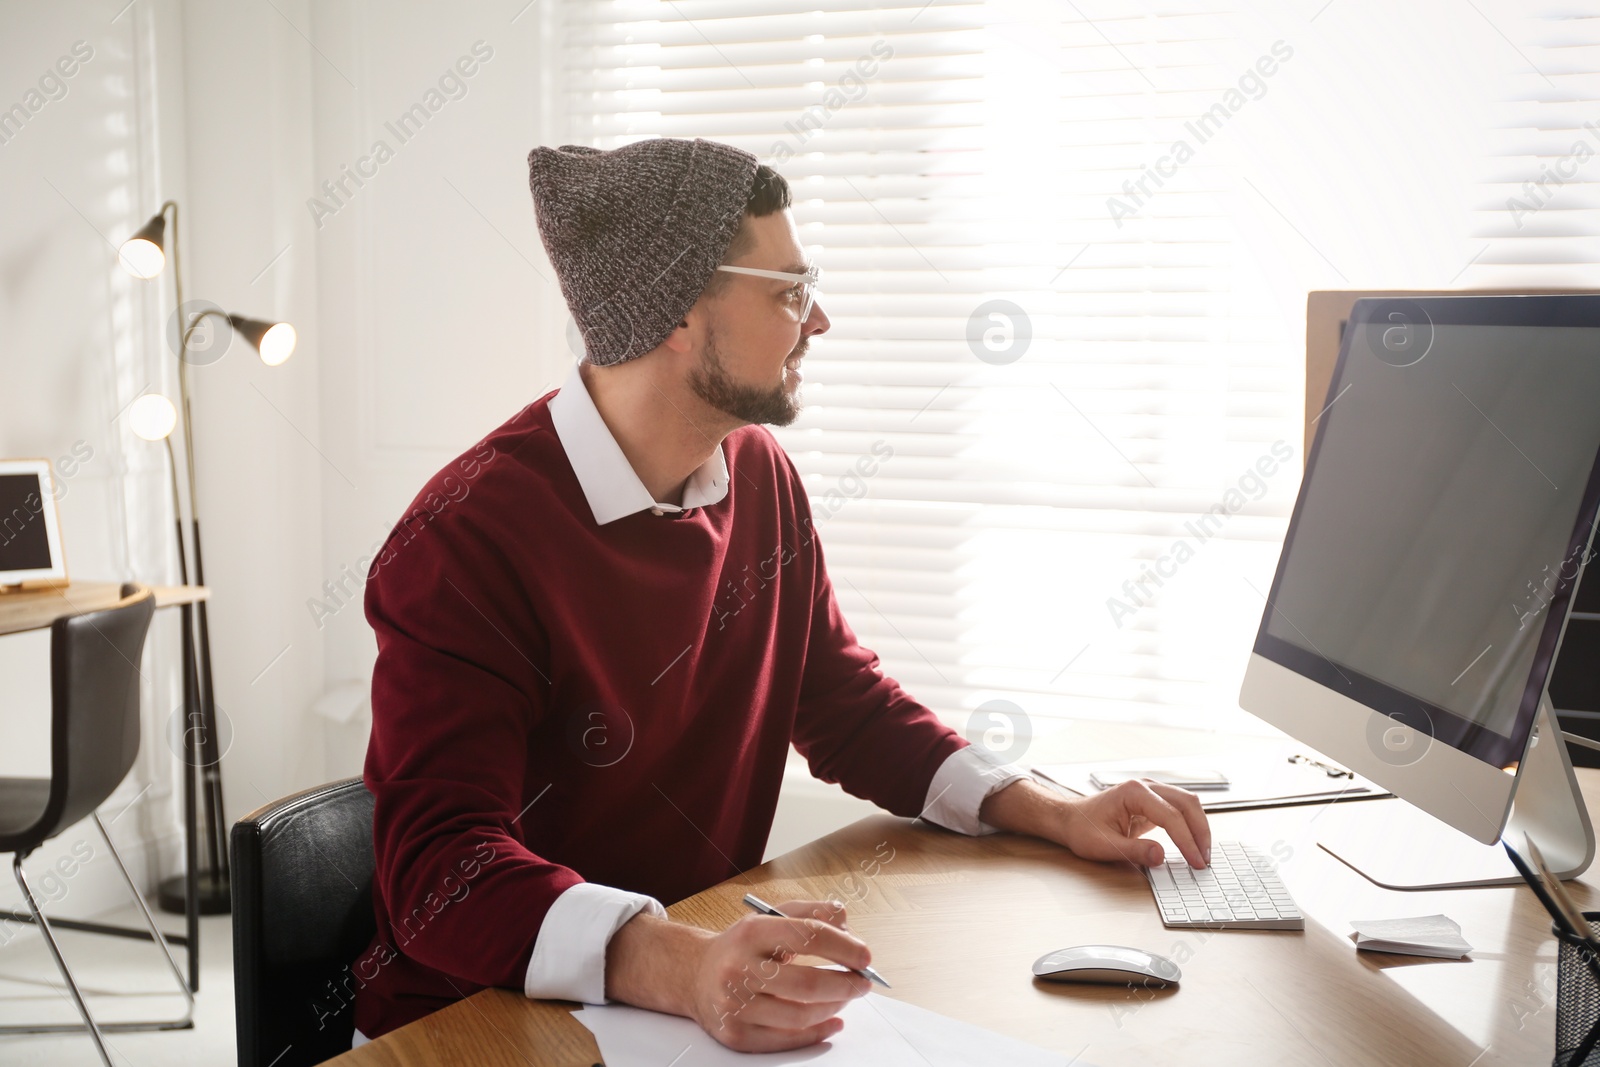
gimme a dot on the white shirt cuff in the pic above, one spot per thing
(569, 956)
(960, 786)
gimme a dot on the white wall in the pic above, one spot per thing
(250, 81)
(89, 154)
(433, 281)
(214, 99)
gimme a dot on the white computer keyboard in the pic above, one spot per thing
(1241, 890)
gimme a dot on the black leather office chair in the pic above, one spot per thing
(302, 913)
(94, 737)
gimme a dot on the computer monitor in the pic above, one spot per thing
(1446, 514)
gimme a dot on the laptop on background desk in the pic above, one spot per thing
(31, 556)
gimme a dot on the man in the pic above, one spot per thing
(601, 629)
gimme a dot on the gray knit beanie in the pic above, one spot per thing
(636, 233)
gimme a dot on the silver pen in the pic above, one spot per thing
(767, 909)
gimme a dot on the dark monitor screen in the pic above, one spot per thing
(1445, 513)
(24, 541)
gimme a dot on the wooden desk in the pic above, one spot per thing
(36, 609)
(955, 923)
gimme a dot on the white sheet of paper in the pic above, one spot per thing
(877, 1030)
(1256, 781)
(946, 1042)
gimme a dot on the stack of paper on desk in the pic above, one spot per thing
(1426, 935)
(878, 1031)
(1268, 780)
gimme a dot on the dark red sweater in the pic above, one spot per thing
(555, 701)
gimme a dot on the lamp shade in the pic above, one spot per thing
(274, 340)
(144, 254)
(152, 416)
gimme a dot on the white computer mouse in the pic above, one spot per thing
(1107, 963)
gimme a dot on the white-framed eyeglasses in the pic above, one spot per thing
(807, 282)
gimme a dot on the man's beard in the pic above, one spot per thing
(711, 382)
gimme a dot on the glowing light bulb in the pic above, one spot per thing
(277, 344)
(152, 416)
(142, 258)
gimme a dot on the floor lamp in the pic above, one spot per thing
(144, 255)
(153, 417)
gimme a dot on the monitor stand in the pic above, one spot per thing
(1398, 846)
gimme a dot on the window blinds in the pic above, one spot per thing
(1043, 435)
(1536, 208)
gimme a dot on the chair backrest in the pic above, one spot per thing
(302, 913)
(94, 687)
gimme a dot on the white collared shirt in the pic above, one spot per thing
(569, 955)
(608, 480)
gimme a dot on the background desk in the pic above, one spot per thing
(35, 609)
(955, 923)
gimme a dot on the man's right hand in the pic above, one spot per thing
(742, 985)
(751, 996)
